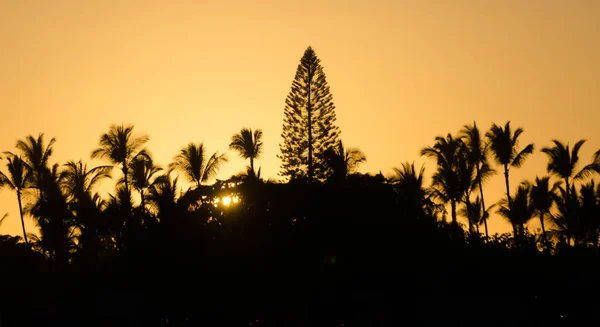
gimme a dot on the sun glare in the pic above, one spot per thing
(226, 201)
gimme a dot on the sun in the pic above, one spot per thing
(226, 200)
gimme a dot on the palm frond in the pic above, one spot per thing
(587, 172)
(3, 218)
(520, 158)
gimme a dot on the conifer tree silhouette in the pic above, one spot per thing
(309, 124)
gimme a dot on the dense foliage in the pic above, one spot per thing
(167, 244)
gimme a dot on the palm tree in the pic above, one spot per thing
(163, 198)
(192, 162)
(414, 197)
(542, 199)
(248, 144)
(35, 155)
(54, 217)
(143, 173)
(120, 146)
(478, 155)
(467, 179)
(117, 212)
(590, 212)
(562, 162)
(504, 143)
(17, 180)
(447, 184)
(520, 212)
(475, 213)
(342, 161)
(566, 221)
(78, 183)
(578, 216)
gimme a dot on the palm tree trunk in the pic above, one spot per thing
(507, 187)
(516, 233)
(482, 205)
(453, 207)
(567, 188)
(22, 220)
(468, 215)
(142, 204)
(128, 217)
(125, 177)
(515, 227)
(543, 229)
(252, 165)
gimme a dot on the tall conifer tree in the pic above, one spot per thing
(309, 124)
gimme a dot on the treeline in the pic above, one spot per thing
(324, 246)
(171, 249)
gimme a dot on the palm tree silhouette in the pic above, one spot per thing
(35, 155)
(410, 186)
(542, 199)
(408, 181)
(473, 212)
(446, 184)
(117, 210)
(78, 183)
(478, 155)
(192, 162)
(163, 197)
(562, 163)
(566, 221)
(17, 180)
(248, 144)
(120, 147)
(143, 173)
(590, 211)
(577, 216)
(503, 145)
(54, 217)
(342, 161)
(520, 212)
(467, 178)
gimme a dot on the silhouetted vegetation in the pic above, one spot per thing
(309, 128)
(346, 248)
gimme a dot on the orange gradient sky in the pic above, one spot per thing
(401, 72)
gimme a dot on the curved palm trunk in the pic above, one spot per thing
(482, 205)
(22, 220)
(252, 165)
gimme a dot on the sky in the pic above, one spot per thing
(401, 72)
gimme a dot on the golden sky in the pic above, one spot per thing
(401, 72)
